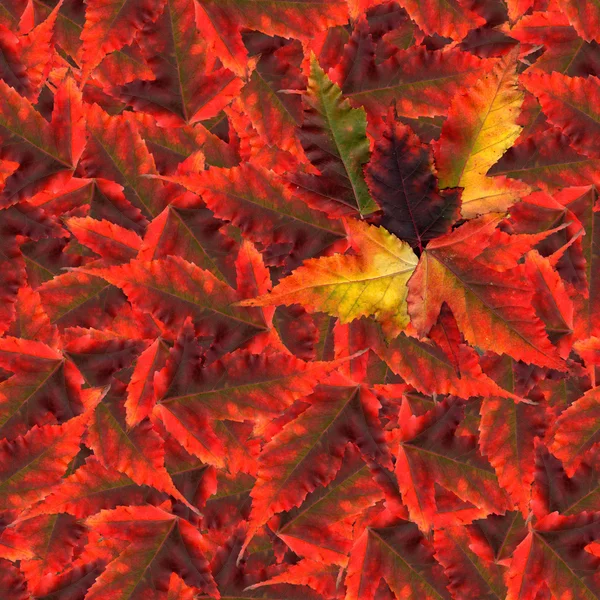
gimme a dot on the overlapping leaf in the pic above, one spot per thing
(299, 300)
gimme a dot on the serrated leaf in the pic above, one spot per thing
(481, 126)
(371, 282)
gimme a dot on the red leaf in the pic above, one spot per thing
(33, 463)
(553, 552)
(163, 544)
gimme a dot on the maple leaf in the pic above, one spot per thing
(287, 471)
(173, 289)
(554, 552)
(70, 298)
(11, 13)
(12, 581)
(266, 212)
(576, 431)
(53, 540)
(448, 271)
(508, 431)
(109, 155)
(137, 452)
(518, 8)
(195, 235)
(273, 102)
(321, 577)
(333, 135)
(563, 248)
(420, 82)
(546, 160)
(141, 387)
(92, 488)
(552, 302)
(14, 545)
(31, 141)
(402, 179)
(371, 282)
(28, 57)
(110, 241)
(432, 453)
(589, 350)
(99, 355)
(569, 57)
(165, 544)
(584, 18)
(221, 22)
(322, 527)
(458, 549)
(33, 463)
(566, 102)
(480, 127)
(429, 370)
(586, 209)
(110, 26)
(69, 120)
(402, 556)
(172, 145)
(187, 86)
(443, 17)
(554, 491)
(44, 389)
(18, 220)
(256, 387)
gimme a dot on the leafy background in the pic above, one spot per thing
(299, 299)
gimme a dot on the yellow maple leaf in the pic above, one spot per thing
(481, 127)
(350, 286)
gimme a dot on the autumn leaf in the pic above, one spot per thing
(505, 321)
(432, 454)
(444, 17)
(429, 370)
(398, 553)
(53, 541)
(273, 100)
(333, 135)
(403, 181)
(508, 431)
(420, 82)
(568, 104)
(25, 133)
(299, 299)
(221, 22)
(576, 430)
(540, 27)
(110, 241)
(110, 26)
(481, 126)
(288, 472)
(182, 68)
(371, 282)
(108, 155)
(458, 549)
(584, 18)
(546, 160)
(92, 488)
(170, 545)
(259, 204)
(37, 461)
(149, 284)
(555, 546)
(322, 528)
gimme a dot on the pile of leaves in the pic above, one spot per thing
(299, 299)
